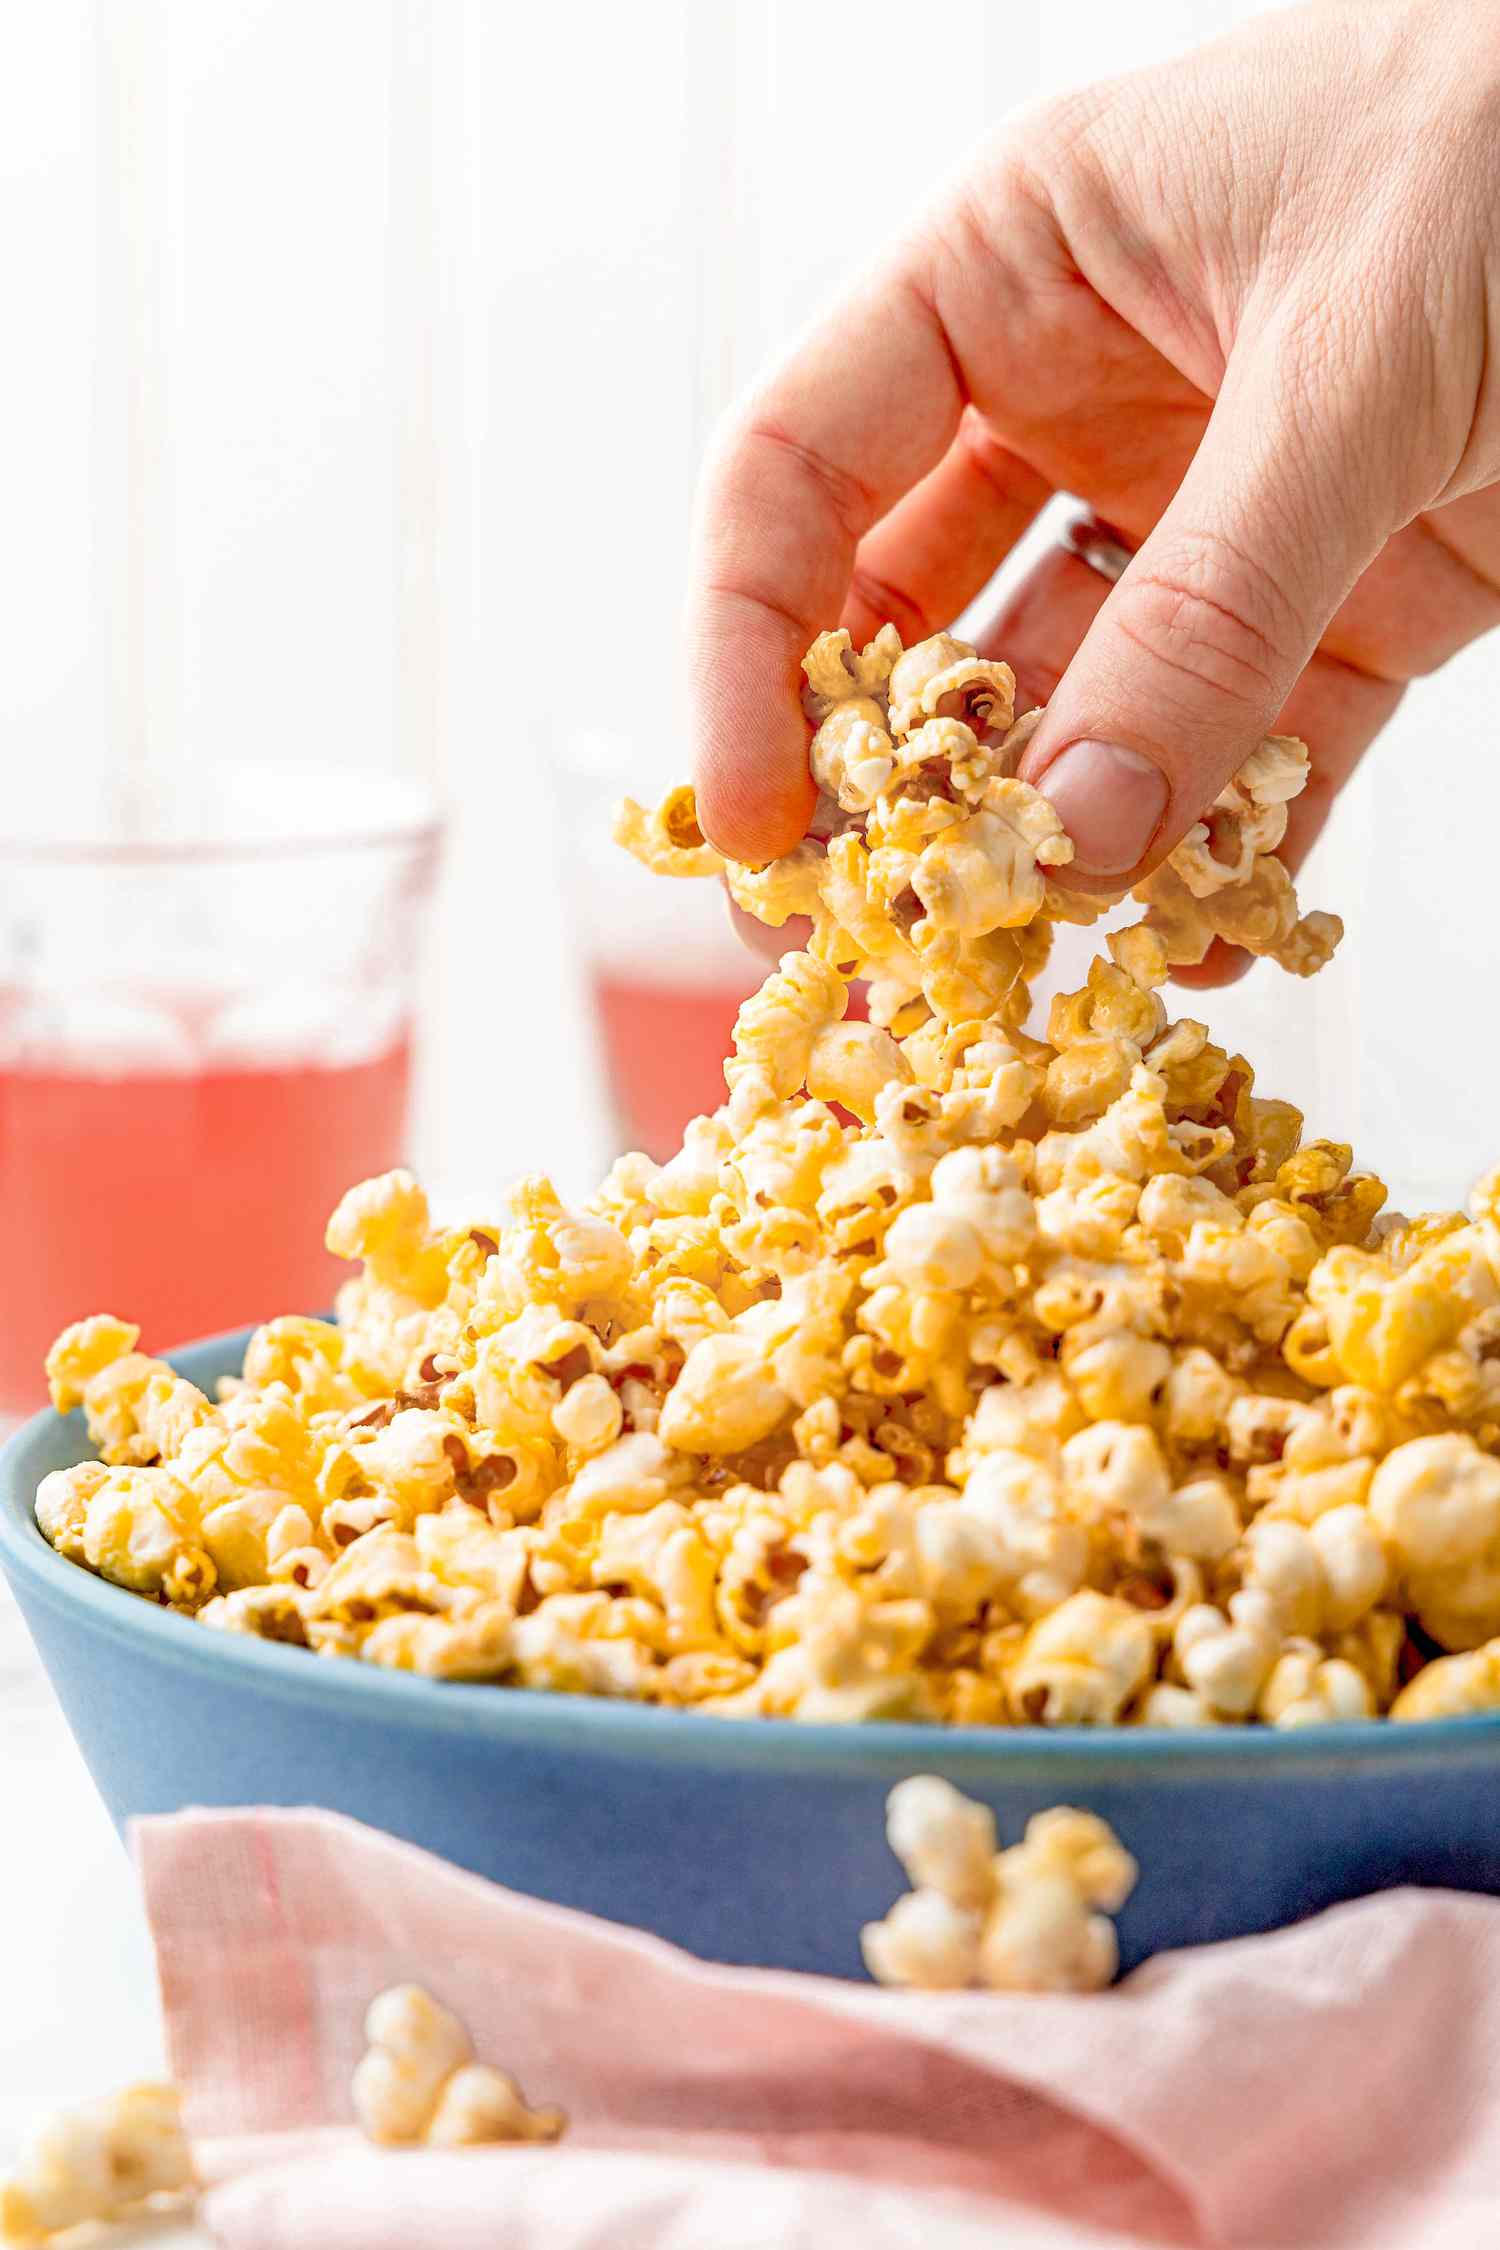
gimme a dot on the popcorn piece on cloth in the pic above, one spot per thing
(105, 2161)
(947, 1372)
(418, 2081)
(746, 2108)
(1022, 1920)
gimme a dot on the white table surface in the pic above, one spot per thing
(79, 2015)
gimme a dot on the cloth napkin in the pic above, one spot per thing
(1334, 2086)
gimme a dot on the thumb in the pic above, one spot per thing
(1202, 640)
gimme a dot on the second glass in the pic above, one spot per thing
(663, 970)
(203, 1041)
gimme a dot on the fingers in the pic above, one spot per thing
(1338, 712)
(1196, 650)
(1222, 964)
(1039, 623)
(760, 939)
(817, 458)
(864, 413)
(1336, 708)
(1433, 587)
(941, 544)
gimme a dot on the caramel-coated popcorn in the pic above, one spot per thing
(947, 1372)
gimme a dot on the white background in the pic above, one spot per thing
(423, 309)
(426, 307)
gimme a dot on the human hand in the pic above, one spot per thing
(1241, 304)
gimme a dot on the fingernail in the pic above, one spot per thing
(1110, 800)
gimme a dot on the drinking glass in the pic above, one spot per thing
(206, 1027)
(662, 968)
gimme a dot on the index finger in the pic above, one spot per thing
(864, 407)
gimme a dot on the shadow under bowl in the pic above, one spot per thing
(745, 1840)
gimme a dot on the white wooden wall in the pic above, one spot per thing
(430, 305)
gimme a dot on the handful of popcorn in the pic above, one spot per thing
(947, 1372)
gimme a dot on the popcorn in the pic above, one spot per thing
(835, 671)
(138, 1409)
(943, 1839)
(139, 1527)
(414, 2047)
(1453, 1686)
(1224, 1659)
(418, 2081)
(1436, 1503)
(945, 1372)
(1081, 1664)
(668, 839)
(100, 2163)
(926, 1943)
(724, 1400)
(852, 1063)
(1031, 1919)
(480, 2106)
(1305, 1688)
(943, 678)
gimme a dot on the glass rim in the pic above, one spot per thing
(424, 830)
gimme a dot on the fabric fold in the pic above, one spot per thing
(1332, 2084)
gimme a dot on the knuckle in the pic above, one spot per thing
(879, 600)
(1207, 613)
(767, 450)
(1001, 219)
(1064, 127)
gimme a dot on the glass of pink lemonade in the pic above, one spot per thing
(663, 969)
(205, 1037)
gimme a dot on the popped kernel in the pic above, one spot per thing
(1034, 1918)
(99, 2163)
(943, 1839)
(945, 1372)
(418, 2081)
(1082, 1663)
(480, 2106)
(413, 2047)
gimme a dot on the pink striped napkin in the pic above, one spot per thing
(1335, 2086)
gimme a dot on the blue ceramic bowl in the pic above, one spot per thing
(753, 1840)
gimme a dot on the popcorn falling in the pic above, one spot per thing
(1031, 1919)
(946, 1372)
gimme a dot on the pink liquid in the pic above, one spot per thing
(187, 1202)
(664, 1049)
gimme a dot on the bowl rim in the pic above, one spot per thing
(604, 1724)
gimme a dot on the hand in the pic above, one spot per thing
(1243, 305)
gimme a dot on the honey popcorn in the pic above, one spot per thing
(946, 1372)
